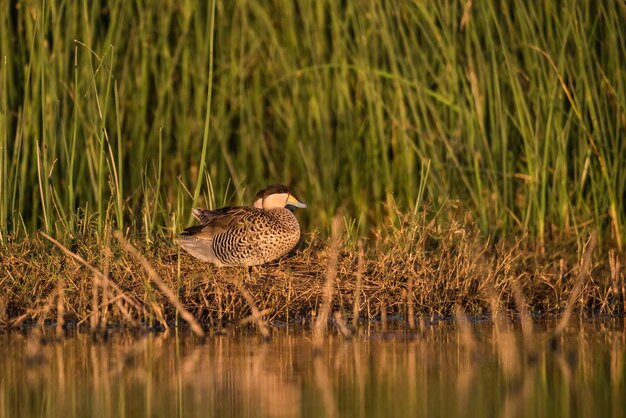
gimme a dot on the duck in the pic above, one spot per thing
(244, 236)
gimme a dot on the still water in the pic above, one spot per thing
(448, 370)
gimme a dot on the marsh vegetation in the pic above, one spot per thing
(473, 151)
(128, 115)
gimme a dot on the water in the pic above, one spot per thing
(448, 371)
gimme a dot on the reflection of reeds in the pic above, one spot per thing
(224, 376)
(516, 399)
(232, 375)
(324, 385)
(616, 354)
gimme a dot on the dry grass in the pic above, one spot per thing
(412, 270)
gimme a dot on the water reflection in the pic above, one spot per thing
(451, 369)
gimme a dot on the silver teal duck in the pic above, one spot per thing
(241, 236)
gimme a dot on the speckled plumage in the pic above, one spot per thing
(242, 236)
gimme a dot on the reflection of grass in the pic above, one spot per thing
(398, 374)
(417, 270)
(108, 112)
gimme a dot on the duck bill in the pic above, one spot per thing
(292, 201)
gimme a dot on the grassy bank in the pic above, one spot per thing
(411, 274)
(132, 113)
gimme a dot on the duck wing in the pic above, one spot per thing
(206, 215)
(219, 220)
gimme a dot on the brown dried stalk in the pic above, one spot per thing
(257, 315)
(169, 294)
(583, 273)
(321, 322)
(357, 290)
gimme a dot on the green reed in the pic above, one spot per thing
(132, 112)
